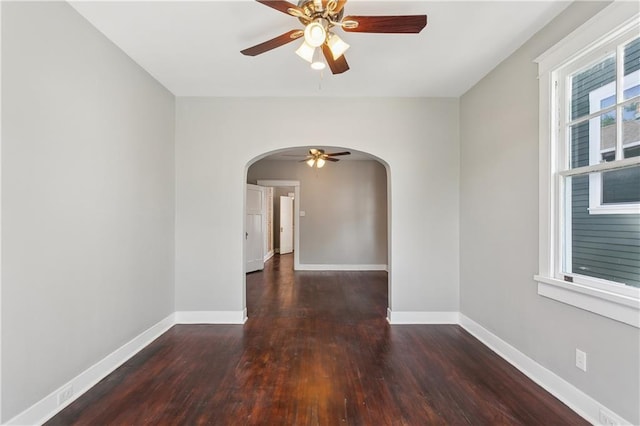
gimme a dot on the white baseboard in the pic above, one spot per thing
(48, 406)
(268, 256)
(581, 403)
(587, 407)
(408, 317)
(211, 317)
(324, 267)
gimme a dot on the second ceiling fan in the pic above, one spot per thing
(320, 18)
(317, 157)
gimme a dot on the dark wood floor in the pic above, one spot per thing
(316, 350)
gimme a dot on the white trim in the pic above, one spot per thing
(613, 305)
(578, 401)
(0, 216)
(612, 25)
(296, 214)
(211, 317)
(277, 182)
(268, 256)
(421, 317)
(602, 167)
(574, 398)
(631, 208)
(620, 14)
(350, 267)
(595, 150)
(48, 406)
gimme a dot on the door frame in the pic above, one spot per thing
(261, 190)
(296, 213)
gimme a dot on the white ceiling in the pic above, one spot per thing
(193, 48)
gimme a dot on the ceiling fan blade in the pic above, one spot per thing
(283, 6)
(338, 66)
(273, 43)
(339, 153)
(331, 159)
(408, 24)
(340, 5)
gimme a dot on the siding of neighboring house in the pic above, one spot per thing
(605, 245)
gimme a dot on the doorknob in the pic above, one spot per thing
(246, 235)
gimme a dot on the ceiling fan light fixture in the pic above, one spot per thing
(317, 63)
(337, 45)
(311, 162)
(320, 162)
(315, 33)
(305, 51)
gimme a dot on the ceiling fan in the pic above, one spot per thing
(318, 158)
(320, 18)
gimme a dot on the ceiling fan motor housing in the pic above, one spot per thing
(310, 10)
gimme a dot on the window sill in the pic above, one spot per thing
(615, 209)
(612, 305)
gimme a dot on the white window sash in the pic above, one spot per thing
(595, 152)
(618, 302)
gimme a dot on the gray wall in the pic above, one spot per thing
(416, 138)
(87, 200)
(499, 234)
(345, 207)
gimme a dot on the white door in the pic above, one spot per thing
(254, 228)
(286, 224)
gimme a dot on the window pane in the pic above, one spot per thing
(605, 246)
(579, 148)
(593, 141)
(630, 128)
(621, 186)
(632, 69)
(594, 88)
(632, 151)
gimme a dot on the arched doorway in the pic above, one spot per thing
(342, 211)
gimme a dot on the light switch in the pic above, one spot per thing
(302, 213)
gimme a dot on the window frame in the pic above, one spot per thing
(595, 180)
(590, 41)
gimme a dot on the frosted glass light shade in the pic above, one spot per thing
(305, 51)
(337, 46)
(317, 63)
(320, 163)
(315, 34)
(310, 161)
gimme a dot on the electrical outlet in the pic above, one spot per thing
(65, 394)
(607, 418)
(581, 360)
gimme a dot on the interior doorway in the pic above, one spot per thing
(341, 222)
(290, 190)
(284, 223)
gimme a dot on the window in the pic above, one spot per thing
(615, 192)
(590, 167)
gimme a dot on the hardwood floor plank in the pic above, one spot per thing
(316, 350)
